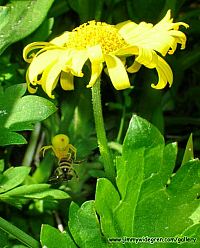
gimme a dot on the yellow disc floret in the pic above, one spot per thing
(96, 33)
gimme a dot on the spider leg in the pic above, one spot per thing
(44, 148)
(69, 157)
(72, 150)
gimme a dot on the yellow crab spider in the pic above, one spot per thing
(61, 148)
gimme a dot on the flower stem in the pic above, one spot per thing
(101, 134)
(18, 234)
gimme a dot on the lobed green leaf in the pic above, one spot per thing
(148, 200)
(84, 226)
(51, 237)
(189, 153)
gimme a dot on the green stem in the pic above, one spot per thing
(101, 134)
(121, 126)
(32, 145)
(18, 234)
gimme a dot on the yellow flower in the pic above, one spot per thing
(104, 45)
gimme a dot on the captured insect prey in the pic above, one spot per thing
(66, 154)
(64, 171)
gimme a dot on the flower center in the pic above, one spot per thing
(96, 33)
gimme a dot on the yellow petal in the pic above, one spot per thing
(50, 77)
(117, 72)
(42, 61)
(165, 74)
(158, 37)
(130, 30)
(147, 57)
(95, 54)
(61, 40)
(31, 47)
(134, 67)
(179, 36)
(96, 70)
(67, 81)
(133, 33)
(30, 89)
(79, 58)
(167, 22)
(96, 58)
(127, 51)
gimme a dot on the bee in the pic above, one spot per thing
(64, 171)
(66, 155)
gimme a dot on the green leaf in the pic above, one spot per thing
(20, 18)
(20, 195)
(1, 165)
(87, 9)
(187, 179)
(36, 191)
(144, 193)
(15, 91)
(13, 177)
(169, 160)
(142, 154)
(18, 246)
(3, 14)
(3, 238)
(189, 153)
(8, 99)
(107, 209)
(43, 32)
(59, 8)
(11, 138)
(193, 232)
(173, 208)
(50, 237)
(188, 59)
(84, 225)
(19, 113)
(128, 190)
(139, 11)
(26, 110)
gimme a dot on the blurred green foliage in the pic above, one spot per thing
(26, 199)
